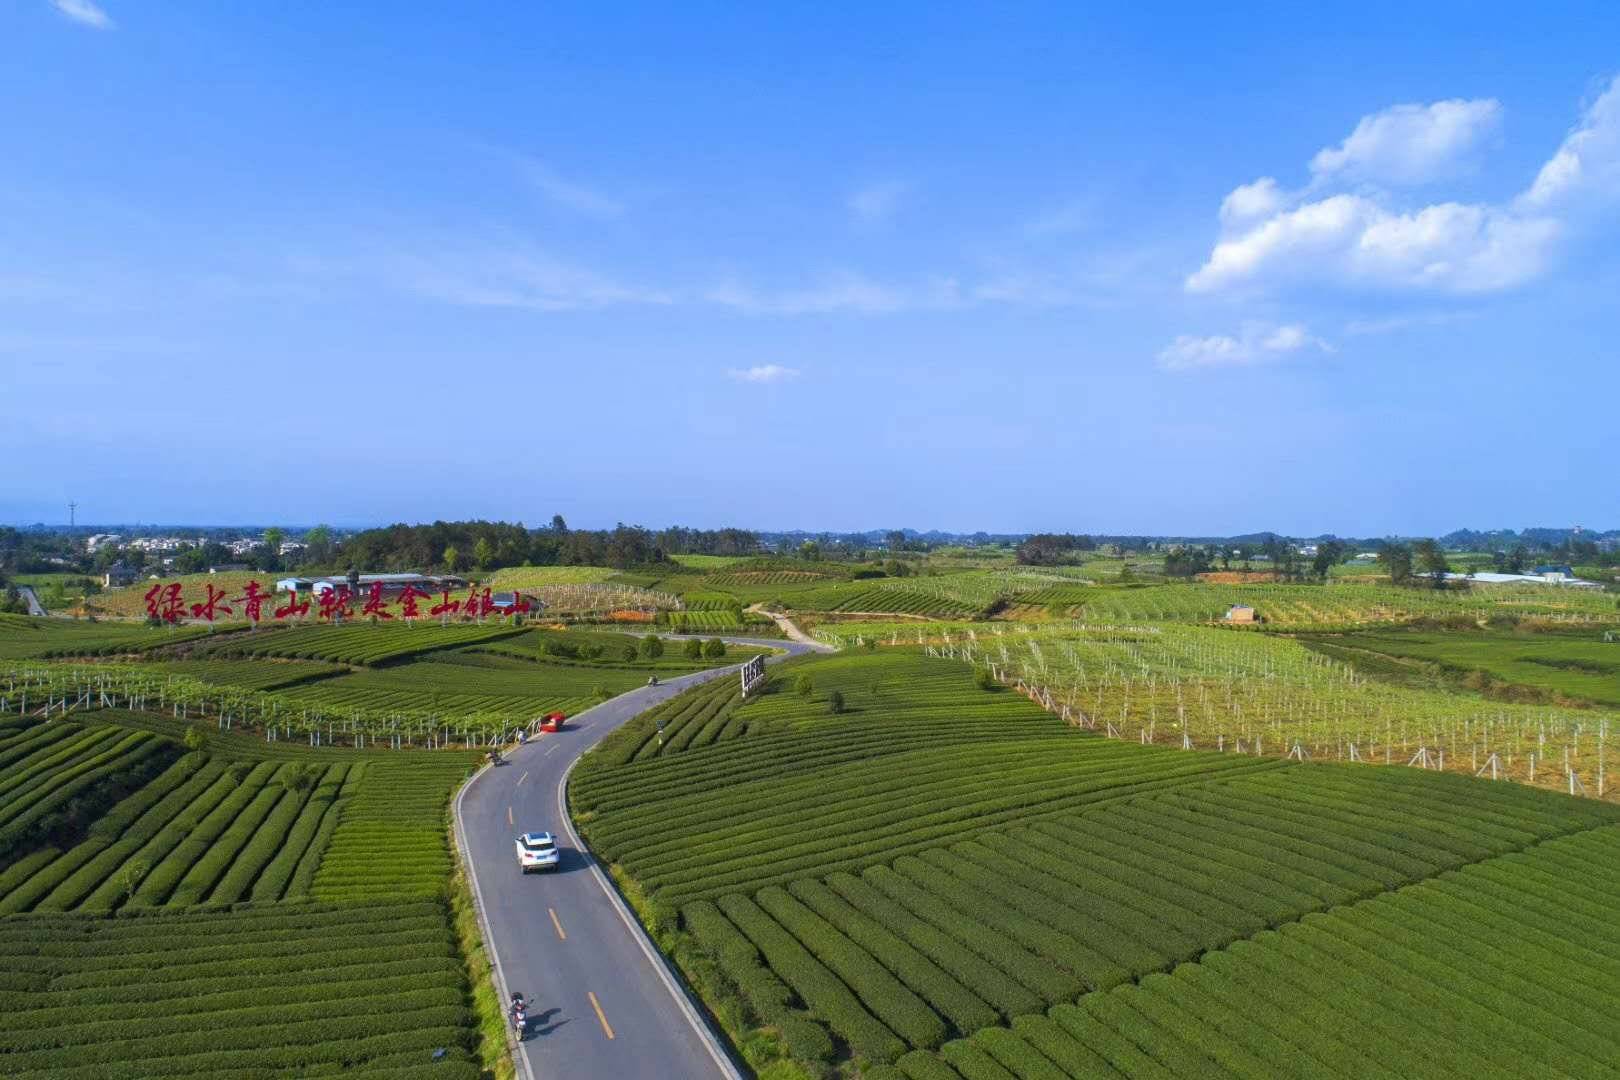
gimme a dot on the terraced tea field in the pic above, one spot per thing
(1483, 954)
(952, 882)
(303, 989)
(101, 820)
(23, 638)
(355, 643)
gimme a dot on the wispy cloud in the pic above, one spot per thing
(516, 276)
(1393, 323)
(877, 202)
(1072, 217)
(1256, 343)
(844, 292)
(764, 373)
(569, 194)
(85, 13)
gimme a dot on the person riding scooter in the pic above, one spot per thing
(520, 1014)
(652, 680)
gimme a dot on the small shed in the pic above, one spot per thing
(1241, 613)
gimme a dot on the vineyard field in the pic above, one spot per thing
(1568, 666)
(254, 674)
(468, 683)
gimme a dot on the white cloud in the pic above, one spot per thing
(1412, 144)
(1351, 239)
(1273, 240)
(764, 373)
(1249, 202)
(877, 201)
(1256, 343)
(84, 12)
(1588, 162)
(568, 194)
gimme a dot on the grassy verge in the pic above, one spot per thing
(489, 1015)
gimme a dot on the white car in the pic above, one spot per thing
(536, 851)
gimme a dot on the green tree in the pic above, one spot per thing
(452, 559)
(652, 647)
(196, 737)
(835, 702)
(1397, 561)
(986, 680)
(804, 686)
(714, 649)
(810, 550)
(483, 554)
(318, 547)
(1431, 559)
(558, 525)
(693, 649)
(1328, 554)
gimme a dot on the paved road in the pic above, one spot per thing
(603, 1004)
(34, 606)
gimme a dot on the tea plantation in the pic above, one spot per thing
(880, 866)
(224, 912)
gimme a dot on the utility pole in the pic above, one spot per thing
(73, 509)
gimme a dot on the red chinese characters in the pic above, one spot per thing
(164, 602)
(408, 599)
(375, 604)
(293, 607)
(252, 601)
(445, 606)
(336, 603)
(211, 607)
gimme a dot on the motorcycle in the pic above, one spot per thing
(520, 1015)
(653, 681)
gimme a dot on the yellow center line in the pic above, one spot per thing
(509, 815)
(600, 1015)
(522, 778)
(554, 922)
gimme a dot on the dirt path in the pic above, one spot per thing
(785, 624)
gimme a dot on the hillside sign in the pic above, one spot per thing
(165, 602)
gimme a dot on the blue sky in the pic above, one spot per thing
(1009, 267)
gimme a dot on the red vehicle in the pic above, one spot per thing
(552, 723)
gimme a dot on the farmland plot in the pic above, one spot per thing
(1508, 961)
(284, 990)
(945, 878)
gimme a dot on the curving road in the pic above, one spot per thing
(603, 1003)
